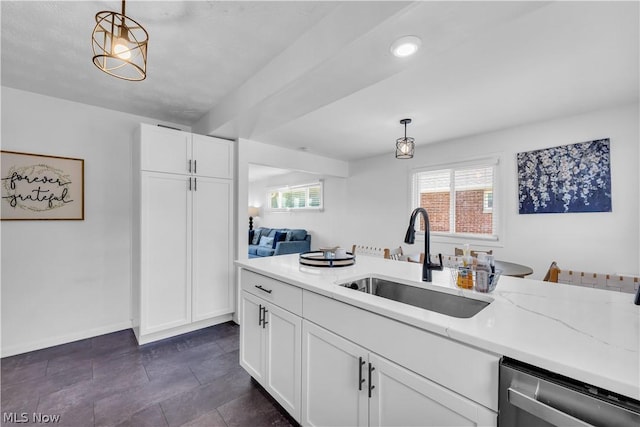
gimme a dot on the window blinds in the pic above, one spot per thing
(458, 198)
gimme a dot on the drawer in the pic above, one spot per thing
(279, 293)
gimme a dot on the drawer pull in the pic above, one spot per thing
(260, 319)
(371, 386)
(263, 289)
(264, 317)
(360, 379)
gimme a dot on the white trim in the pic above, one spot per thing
(172, 332)
(493, 160)
(498, 236)
(63, 339)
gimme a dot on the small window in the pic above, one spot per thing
(459, 199)
(299, 197)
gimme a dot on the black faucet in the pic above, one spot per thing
(410, 238)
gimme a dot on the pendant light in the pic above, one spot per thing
(120, 45)
(405, 146)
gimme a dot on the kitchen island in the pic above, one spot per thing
(589, 335)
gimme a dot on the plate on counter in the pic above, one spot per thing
(318, 259)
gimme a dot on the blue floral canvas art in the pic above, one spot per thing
(568, 178)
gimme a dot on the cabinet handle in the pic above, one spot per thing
(360, 379)
(263, 289)
(371, 386)
(264, 317)
(189, 165)
(195, 184)
(189, 184)
(260, 315)
(195, 166)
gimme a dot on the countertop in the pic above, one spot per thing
(591, 335)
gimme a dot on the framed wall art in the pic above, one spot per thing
(41, 187)
(564, 179)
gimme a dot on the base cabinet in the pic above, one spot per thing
(334, 379)
(322, 360)
(270, 347)
(344, 384)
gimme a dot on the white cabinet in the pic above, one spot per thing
(211, 157)
(182, 246)
(334, 383)
(332, 364)
(174, 151)
(165, 254)
(403, 398)
(211, 245)
(270, 338)
(344, 384)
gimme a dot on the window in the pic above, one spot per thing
(299, 197)
(459, 199)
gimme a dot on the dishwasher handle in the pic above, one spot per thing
(543, 411)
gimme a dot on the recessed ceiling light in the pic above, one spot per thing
(405, 46)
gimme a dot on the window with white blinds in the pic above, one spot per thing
(306, 196)
(459, 199)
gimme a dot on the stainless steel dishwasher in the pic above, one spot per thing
(530, 396)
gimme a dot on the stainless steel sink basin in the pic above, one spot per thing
(440, 302)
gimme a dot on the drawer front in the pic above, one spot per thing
(279, 293)
(466, 370)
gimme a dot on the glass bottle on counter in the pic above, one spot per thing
(465, 273)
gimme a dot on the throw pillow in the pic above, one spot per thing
(297, 234)
(256, 236)
(266, 241)
(280, 236)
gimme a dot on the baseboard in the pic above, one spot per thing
(156, 336)
(12, 350)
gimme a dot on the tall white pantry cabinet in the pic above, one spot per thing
(182, 232)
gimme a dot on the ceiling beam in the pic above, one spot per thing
(289, 73)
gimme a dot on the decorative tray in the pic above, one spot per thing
(318, 259)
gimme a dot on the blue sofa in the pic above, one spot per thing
(278, 241)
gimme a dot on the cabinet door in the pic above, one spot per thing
(212, 157)
(331, 393)
(252, 336)
(283, 358)
(403, 398)
(164, 150)
(212, 285)
(165, 252)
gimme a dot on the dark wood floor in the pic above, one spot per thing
(190, 380)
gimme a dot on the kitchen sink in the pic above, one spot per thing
(440, 302)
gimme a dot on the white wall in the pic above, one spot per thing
(379, 196)
(324, 226)
(67, 280)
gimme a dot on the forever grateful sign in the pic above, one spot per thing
(37, 186)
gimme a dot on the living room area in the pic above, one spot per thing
(369, 201)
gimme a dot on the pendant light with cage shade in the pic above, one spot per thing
(120, 45)
(405, 146)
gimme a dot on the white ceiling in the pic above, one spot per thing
(319, 75)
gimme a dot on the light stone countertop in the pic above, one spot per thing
(590, 335)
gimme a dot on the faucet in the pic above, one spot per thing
(410, 238)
